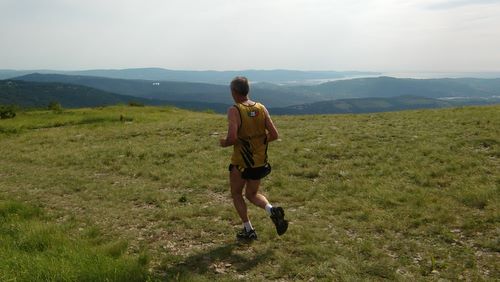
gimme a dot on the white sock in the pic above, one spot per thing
(268, 208)
(248, 225)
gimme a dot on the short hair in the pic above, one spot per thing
(240, 85)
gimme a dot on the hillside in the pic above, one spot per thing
(35, 94)
(363, 105)
(408, 196)
(165, 90)
(29, 94)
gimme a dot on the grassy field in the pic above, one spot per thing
(142, 193)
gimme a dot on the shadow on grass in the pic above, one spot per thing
(234, 258)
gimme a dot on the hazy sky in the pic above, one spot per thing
(378, 35)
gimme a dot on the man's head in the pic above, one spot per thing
(240, 86)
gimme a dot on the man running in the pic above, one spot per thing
(250, 129)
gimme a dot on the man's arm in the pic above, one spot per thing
(233, 118)
(272, 132)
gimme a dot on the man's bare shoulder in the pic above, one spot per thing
(266, 112)
(232, 111)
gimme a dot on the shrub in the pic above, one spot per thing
(125, 119)
(55, 107)
(135, 104)
(7, 112)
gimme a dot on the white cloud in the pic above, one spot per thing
(238, 34)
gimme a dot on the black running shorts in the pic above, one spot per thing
(254, 173)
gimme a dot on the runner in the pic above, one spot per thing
(250, 129)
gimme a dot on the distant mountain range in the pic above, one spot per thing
(343, 96)
(178, 91)
(214, 77)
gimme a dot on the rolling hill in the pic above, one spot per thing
(36, 94)
(344, 96)
(286, 95)
(176, 91)
(29, 94)
(40, 94)
(363, 105)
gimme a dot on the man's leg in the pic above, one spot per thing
(253, 195)
(237, 184)
(277, 214)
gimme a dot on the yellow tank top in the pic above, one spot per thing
(251, 148)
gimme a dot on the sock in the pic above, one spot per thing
(248, 225)
(268, 208)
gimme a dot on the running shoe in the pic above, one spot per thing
(247, 235)
(278, 218)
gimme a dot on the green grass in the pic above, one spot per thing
(33, 249)
(401, 196)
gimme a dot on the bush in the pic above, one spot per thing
(135, 104)
(125, 119)
(7, 112)
(55, 107)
